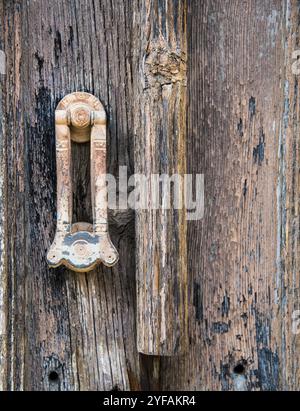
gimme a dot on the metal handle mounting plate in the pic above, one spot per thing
(81, 117)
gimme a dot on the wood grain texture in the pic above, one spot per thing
(160, 133)
(243, 134)
(65, 331)
(3, 232)
(243, 257)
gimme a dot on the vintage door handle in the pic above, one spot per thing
(81, 117)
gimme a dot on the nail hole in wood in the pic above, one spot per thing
(239, 369)
(53, 376)
(115, 388)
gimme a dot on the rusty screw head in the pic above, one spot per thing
(80, 117)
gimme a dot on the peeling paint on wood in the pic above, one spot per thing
(243, 134)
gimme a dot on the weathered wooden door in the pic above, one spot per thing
(236, 61)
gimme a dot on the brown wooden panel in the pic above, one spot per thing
(243, 134)
(160, 129)
(3, 234)
(82, 327)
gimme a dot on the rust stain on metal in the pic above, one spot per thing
(81, 246)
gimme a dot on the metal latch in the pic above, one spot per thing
(80, 117)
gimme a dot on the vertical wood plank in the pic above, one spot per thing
(3, 214)
(66, 331)
(286, 310)
(243, 134)
(160, 149)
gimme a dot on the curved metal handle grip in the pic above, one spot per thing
(81, 246)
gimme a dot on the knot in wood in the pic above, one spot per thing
(164, 66)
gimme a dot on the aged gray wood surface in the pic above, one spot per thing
(160, 136)
(243, 257)
(65, 331)
(242, 133)
(3, 280)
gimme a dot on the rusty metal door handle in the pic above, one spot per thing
(81, 246)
